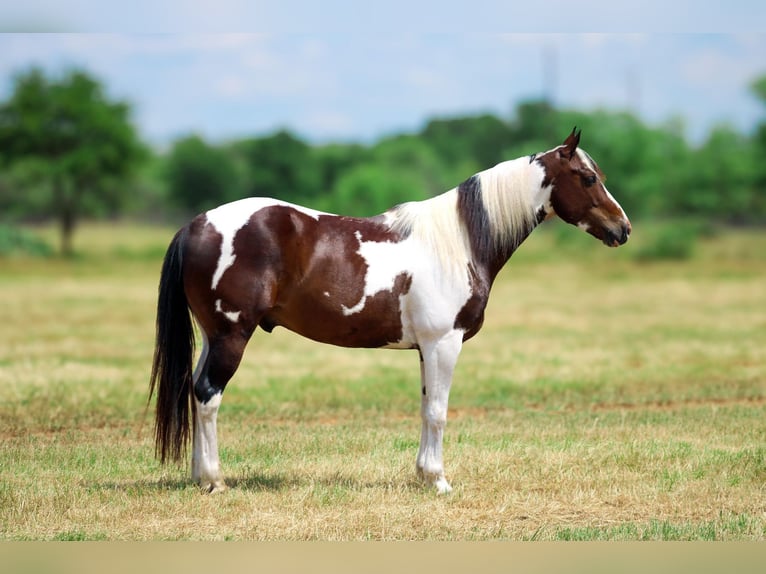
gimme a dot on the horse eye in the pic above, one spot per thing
(590, 180)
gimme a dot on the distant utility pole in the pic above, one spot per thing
(633, 89)
(550, 86)
(550, 73)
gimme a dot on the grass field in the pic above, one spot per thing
(605, 399)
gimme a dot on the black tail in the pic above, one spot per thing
(173, 353)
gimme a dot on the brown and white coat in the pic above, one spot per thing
(415, 277)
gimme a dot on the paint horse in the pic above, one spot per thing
(415, 277)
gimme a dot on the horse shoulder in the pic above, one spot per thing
(470, 317)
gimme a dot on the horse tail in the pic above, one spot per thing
(173, 353)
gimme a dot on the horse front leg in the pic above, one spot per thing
(437, 363)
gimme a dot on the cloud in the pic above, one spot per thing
(365, 84)
(329, 123)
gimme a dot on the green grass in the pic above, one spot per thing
(607, 398)
(726, 528)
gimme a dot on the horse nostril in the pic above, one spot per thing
(626, 229)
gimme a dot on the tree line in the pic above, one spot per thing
(69, 152)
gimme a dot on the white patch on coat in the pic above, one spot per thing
(428, 309)
(229, 218)
(385, 262)
(230, 315)
(511, 192)
(435, 224)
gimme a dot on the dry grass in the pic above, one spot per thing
(604, 399)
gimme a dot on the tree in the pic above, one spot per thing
(335, 160)
(759, 89)
(200, 176)
(280, 166)
(371, 188)
(81, 144)
(481, 140)
(535, 120)
(722, 185)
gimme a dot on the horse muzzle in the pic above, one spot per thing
(615, 238)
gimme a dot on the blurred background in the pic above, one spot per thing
(158, 127)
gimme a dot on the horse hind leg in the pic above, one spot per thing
(219, 359)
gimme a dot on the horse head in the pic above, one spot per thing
(578, 195)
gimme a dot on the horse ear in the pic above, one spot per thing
(571, 143)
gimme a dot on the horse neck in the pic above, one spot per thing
(513, 202)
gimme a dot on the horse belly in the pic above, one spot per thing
(323, 318)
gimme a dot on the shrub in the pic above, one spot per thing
(17, 241)
(674, 241)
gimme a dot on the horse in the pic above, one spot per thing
(417, 276)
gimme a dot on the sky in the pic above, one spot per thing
(325, 79)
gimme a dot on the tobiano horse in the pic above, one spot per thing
(415, 277)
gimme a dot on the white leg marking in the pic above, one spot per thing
(205, 454)
(196, 440)
(437, 367)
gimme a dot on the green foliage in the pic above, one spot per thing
(674, 241)
(200, 176)
(480, 138)
(68, 152)
(723, 178)
(371, 188)
(83, 145)
(281, 166)
(17, 241)
(334, 160)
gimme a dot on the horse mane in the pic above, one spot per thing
(487, 215)
(435, 223)
(496, 206)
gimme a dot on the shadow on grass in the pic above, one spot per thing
(265, 482)
(336, 481)
(254, 482)
(261, 481)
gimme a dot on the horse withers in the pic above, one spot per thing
(415, 277)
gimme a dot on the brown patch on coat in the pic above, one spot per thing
(298, 272)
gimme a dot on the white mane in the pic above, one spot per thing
(449, 223)
(435, 223)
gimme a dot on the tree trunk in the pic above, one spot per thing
(67, 221)
(67, 215)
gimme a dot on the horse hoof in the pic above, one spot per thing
(442, 486)
(438, 482)
(214, 487)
